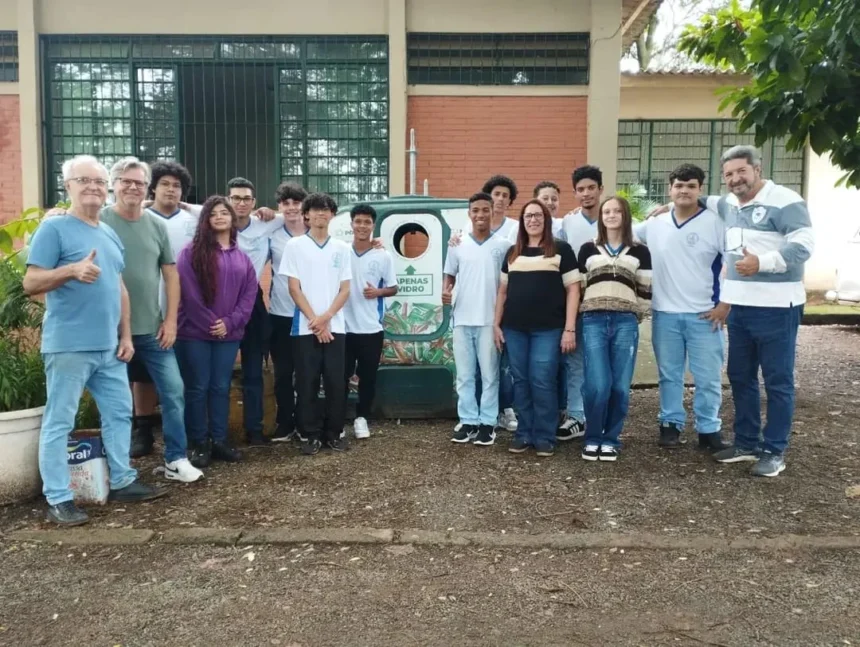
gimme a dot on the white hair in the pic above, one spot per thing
(742, 152)
(69, 165)
(127, 163)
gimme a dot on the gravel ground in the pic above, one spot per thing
(403, 595)
(411, 476)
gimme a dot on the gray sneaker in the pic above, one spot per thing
(736, 455)
(768, 465)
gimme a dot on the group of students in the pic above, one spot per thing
(560, 300)
(160, 296)
(554, 303)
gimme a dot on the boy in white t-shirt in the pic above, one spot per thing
(687, 247)
(319, 270)
(549, 193)
(373, 280)
(282, 309)
(475, 266)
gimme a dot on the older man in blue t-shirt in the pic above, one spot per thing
(76, 261)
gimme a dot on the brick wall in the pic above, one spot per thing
(10, 158)
(462, 141)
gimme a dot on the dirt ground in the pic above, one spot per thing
(409, 476)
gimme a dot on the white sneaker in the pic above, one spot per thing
(182, 470)
(360, 428)
(508, 420)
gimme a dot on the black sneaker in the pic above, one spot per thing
(337, 445)
(135, 493)
(670, 436)
(712, 443)
(608, 453)
(544, 450)
(591, 452)
(518, 446)
(142, 437)
(465, 434)
(486, 436)
(569, 429)
(736, 455)
(258, 439)
(311, 446)
(224, 452)
(67, 514)
(283, 435)
(201, 454)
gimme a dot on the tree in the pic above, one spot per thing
(803, 62)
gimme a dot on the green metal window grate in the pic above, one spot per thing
(310, 110)
(8, 56)
(498, 59)
(649, 150)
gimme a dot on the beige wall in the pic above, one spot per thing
(8, 15)
(499, 15)
(213, 17)
(604, 90)
(672, 97)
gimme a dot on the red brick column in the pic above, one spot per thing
(10, 158)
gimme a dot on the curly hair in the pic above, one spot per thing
(204, 248)
(169, 169)
(501, 180)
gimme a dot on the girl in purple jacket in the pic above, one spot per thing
(219, 287)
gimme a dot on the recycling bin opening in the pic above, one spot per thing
(411, 240)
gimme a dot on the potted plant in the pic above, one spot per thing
(22, 375)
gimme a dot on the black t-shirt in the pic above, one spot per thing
(537, 292)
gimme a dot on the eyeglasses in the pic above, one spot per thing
(533, 216)
(98, 181)
(127, 183)
(241, 199)
(734, 240)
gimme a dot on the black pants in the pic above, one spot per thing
(281, 347)
(254, 348)
(362, 358)
(314, 360)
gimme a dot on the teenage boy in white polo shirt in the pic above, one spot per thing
(373, 280)
(686, 246)
(579, 227)
(282, 309)
(319, 272)
(475, 266)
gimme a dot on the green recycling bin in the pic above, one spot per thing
(416, 376)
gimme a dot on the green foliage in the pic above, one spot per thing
(22, 375)
(88, 413)
(640, 205)
(803, 61)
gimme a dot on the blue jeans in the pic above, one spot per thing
(475, 348)
(254, 347)
(535, 357)
(678, 337)
(766, 338)
(574, 364)
(163, 369)
(106, 378)
(207, 370)
(611, 340)
(506, 383)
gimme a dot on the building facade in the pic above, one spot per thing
(323, 93)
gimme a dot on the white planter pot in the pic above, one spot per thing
(19, 455)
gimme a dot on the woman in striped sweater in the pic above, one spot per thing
(617, 292)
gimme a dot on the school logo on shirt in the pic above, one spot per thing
(498, 252)
(374, 268)
(692, 239)
(336, 262)
(758, 214)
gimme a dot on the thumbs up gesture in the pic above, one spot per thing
(748, 265)
(370, 292)
(86, 270)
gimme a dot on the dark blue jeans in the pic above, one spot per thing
(506, 383)
(611, 341)
(766, 338)
(163, 368)
(534, 358)
(254, 347)
(207, 369)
